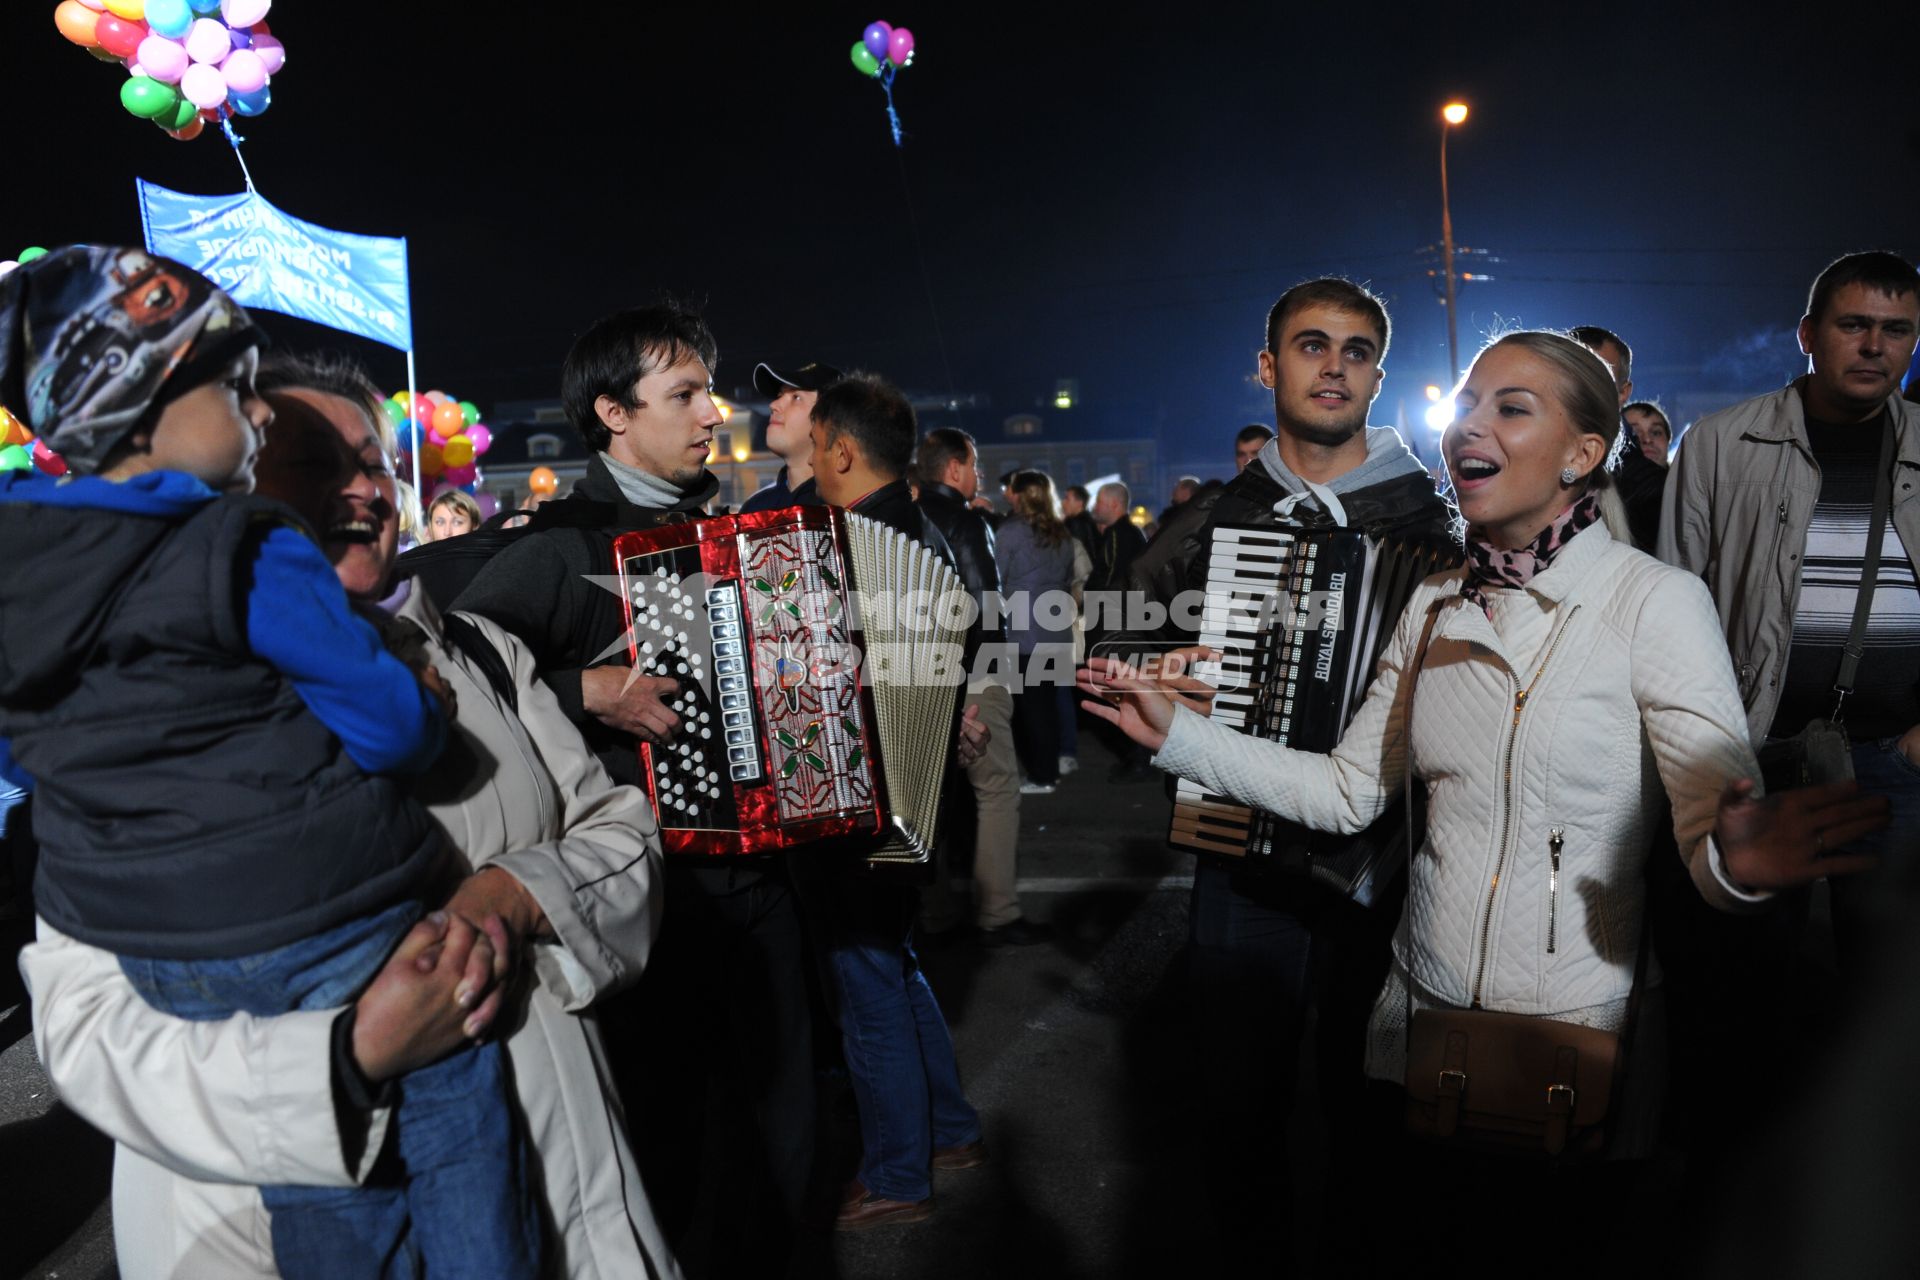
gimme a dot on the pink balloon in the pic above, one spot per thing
(204, 86)
(272, 53)
(98, 6)
(208, 41)
(164, 60)
(244, 13)
(457, 476)
(482, 437)
(899, 46)
(245, 72)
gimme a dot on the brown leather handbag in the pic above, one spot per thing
(1508, 1082)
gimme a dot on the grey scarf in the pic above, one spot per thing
(642, 488)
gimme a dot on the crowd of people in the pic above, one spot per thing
(355, 933)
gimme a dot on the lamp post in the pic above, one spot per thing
(1450, 115)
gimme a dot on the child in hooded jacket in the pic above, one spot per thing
(214, 736)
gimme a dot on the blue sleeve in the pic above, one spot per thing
(299, 622)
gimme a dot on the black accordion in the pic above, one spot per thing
(1300, 617)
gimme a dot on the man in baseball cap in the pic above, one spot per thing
(792, 393)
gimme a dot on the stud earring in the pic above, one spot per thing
(1568, 475)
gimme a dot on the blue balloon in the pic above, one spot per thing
(169, 18)
(240, 37)
(252, 104)
(205, 7)
(877, 37)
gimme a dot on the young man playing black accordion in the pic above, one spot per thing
(1284, 919)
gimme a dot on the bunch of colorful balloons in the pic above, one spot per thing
(20, 450)
(881, 51)
(881, 44)
(190, 61)
(454, 437)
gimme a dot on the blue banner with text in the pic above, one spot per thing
(267, 259)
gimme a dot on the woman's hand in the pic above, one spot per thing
(1788, 839)
(1175, 677)
(435, 993)
(1119, 696)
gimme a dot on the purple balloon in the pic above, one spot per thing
(271, 52)
(900, 46)
(876, 37)
(489, 505)
(208, 41)
(245, 72)
(165, 60)
(241, 37)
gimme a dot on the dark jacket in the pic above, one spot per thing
(188, 803)
(1159, 570)
(558, 590)
(779, 494)
(972, 540)
(1113, 550)
(892, 504)
(1083, 529)
(1642, 483)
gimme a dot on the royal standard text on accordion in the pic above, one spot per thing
(1300, 617)
(819, 658)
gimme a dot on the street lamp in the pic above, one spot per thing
(1450, 115)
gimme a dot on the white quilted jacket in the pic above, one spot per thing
(1543, 736)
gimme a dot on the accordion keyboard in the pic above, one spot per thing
(1244, 569)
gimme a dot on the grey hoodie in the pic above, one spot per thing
(1388, 458)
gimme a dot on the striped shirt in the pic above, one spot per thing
(1886, 697)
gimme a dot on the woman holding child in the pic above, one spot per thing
(207, 1112)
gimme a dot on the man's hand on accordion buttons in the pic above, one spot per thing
(622, 699)
(1119, 696)
(971, 742)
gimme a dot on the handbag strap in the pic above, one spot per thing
(1412, 679)
(1869, 571)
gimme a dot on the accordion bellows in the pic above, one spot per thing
(821, 662)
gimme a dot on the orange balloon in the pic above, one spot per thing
(542, 480)
(188, 134)
(448, 420)
(432, 463)
(12, 430)
(76, 23)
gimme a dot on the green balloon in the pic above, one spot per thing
(15, 458)
(395, 411)
(29, 254)
(183, 114)
(864, 60)
(469, 412)
(147, 98)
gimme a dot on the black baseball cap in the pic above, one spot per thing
(813, 376)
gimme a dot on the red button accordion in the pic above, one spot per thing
(821, 662)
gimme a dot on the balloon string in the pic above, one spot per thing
(234, 140)
(893, 117)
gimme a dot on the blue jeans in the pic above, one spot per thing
(898, 1052)
(461, 1206)
(1068, 703)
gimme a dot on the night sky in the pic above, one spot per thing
(1117, 201)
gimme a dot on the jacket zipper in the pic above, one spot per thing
(1506, 810)
(1556, 837)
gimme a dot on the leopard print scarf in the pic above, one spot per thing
(1489, 566)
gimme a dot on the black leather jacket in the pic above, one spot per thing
(971, 538)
